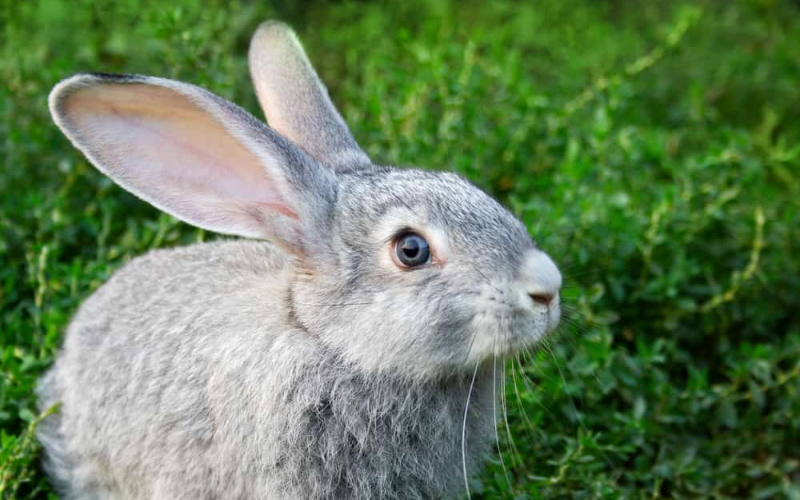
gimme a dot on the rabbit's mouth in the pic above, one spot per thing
(502, 327)
(526, 332)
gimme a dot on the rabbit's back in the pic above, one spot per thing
(142, 357)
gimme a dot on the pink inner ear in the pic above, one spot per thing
(162, 146)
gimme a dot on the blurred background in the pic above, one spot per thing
(651, 147)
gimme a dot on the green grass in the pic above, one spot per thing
(652, 147)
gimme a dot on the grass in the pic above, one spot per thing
(652, 147)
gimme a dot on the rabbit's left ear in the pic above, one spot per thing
(295, 101)
(196, 156)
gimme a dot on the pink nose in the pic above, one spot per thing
(541, 298)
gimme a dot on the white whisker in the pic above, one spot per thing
(464, 431)
(515, 459)
(494, 415)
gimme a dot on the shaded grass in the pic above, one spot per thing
(651, 147)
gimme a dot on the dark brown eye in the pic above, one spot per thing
(412, 250)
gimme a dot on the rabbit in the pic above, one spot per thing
(344, 349)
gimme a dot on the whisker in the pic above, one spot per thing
(494, 414)
(464, 432)
(577, 414)
(527, 382)
(515, 454)
(526, 420)
(529, 357)
(582, 274)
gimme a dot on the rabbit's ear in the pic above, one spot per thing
(295, 101)
(194, 155)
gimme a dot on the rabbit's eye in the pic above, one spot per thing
(411, 250)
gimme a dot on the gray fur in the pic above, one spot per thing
(238, 370)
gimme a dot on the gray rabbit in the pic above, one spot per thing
(350, 356)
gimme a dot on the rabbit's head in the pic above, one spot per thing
(394, 270)
(423, 271)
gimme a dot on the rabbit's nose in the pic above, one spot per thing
(540, 278)
(543, 298)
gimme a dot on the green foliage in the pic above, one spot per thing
(651, 147)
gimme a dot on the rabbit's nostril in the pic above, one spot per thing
(541, 298)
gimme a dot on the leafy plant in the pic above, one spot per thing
(652, 147)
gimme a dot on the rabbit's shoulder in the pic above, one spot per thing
(164, 289)
(211, 259)
(203, 268)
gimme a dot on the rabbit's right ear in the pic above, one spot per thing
(196, 156)
(295, 101)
